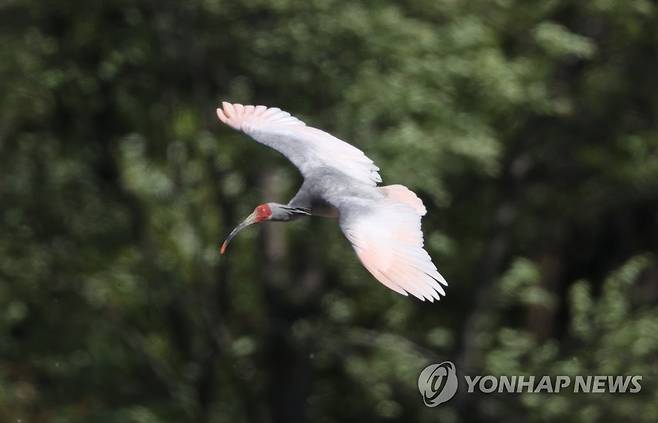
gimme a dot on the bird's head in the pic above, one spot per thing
(264, 212)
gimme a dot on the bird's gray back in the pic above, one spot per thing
(326, 190)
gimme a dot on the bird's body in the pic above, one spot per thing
(326, 190)
(381, 222)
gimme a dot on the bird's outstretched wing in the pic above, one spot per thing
(306, 147)
(389, 242)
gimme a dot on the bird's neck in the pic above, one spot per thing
(283, 213)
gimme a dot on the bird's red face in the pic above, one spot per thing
(260, 214)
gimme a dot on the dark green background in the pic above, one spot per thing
(528, 128)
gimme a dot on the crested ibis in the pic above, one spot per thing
(381, 222)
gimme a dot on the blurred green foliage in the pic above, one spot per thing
(529, 129)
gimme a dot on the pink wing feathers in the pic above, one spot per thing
(389, 242)
(404, 195)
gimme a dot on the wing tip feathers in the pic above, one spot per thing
(241, 117)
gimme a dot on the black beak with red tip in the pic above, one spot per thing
(250, 220)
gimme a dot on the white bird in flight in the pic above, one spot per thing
(381, 222)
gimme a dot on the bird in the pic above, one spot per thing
(382, 223)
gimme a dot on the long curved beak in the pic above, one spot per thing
(250, 220)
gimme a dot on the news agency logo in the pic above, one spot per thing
(438, 383)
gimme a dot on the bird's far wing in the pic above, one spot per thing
(306, 147)
(389, 242)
